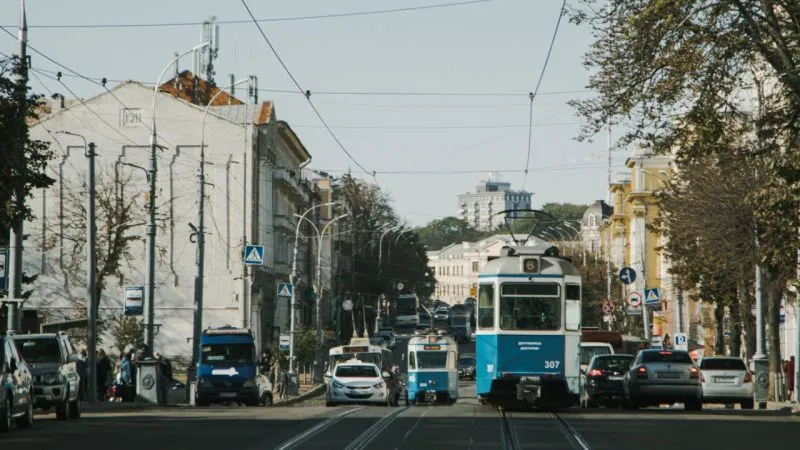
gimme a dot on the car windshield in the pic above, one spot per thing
(227, 353)
(722, 364)
(356, 372)
(589, 352)
(466, 361)
(431, 360)
(41, 350)
(613, 363)
(667, 357)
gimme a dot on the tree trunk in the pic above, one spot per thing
(736, 325)
(719, 332)
(747, 319)
(774, 294)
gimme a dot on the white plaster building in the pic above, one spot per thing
(456, 266)
(255, 184)
(490, 197)
(591, 225)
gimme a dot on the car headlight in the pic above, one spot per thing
(380, 385)
(249, 383)
(50, 378)
(338, 385)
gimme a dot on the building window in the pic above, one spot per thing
(475, 267)
(592, 221)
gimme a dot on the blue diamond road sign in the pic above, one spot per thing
(254, 255)
(627, 275)
(285, 289)
(652, 296)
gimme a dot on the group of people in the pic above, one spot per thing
(117, 382)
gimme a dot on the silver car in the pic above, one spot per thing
(663, 376)
(726, 380)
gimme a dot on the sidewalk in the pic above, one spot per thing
(307, 391)
(101, 407)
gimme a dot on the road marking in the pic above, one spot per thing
(416, 424)
(372, 432)
(574, 438)
(316, 429)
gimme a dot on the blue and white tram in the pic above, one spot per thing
(432, 369)
(528, 336)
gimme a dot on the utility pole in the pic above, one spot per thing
(91, 274)
(15, 236)
(199, 232)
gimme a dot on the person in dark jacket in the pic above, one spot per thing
(80, 367)
(103, 369)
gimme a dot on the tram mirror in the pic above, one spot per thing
(572, 315)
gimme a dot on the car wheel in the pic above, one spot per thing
(591, 403)
(26, 421)
(5, 416)
(62, 409)
(330, 404)
(747, 404)
(266, 399)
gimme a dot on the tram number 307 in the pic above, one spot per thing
(551, 364)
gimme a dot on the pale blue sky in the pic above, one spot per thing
(496, 46)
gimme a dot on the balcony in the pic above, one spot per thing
(284, 223)
(290, 184)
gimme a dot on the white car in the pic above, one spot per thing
(441, 313)
(726, 380)
(357, 382)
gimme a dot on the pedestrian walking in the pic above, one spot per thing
(80, 367)
(103, 369)
(788, 373)
(284, 384)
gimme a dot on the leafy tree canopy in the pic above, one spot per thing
(442, 232)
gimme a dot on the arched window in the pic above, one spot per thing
(592, 221)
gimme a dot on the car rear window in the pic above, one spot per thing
(613, 362)
(722, 364)
(668, 357)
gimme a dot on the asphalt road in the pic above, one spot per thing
(464, 426)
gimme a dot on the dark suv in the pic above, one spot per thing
(16, 388)
(51, 359)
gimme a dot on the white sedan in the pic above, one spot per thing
(727, 380)
(357, 382)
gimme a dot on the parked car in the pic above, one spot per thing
(663, 376)
(603, 380)
(441, 313)
(727, 380)
(56, 383)
(16, 392)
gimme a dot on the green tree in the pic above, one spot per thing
(129, 332)
(306, 345)
(670, 77)
(450, 230)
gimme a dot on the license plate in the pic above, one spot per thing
(726, 380)
(615, 378)
(669, 375)
(228, 395)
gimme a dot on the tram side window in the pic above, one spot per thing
(486, 306)
(525, 306)
(412, 361)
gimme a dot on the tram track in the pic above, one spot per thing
(510, 438)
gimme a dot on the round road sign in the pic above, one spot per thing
(634, 299)
(347, 305)
(400, 286)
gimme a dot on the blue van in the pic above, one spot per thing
(227, 368)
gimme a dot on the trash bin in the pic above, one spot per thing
(148, 382)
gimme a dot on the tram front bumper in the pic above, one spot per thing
(529, 389)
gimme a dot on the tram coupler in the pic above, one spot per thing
(529, 389)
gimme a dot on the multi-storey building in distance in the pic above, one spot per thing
(479, 208)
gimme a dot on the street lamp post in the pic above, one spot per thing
(200, 229)
(577, 234)
(317, 375)
(151, 225)
(292, 388)
(380, 265)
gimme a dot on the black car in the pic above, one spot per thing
(16, 395)
(604, 380)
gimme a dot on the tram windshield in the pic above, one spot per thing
(525, 306)
(432, 360)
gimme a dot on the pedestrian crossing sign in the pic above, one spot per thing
(254, 255)
(652, 296)
(285, 289)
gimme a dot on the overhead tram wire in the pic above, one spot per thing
(539, 84)
(275, 19)
(77, 74)
(306, 93)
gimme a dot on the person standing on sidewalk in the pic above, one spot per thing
(788, 373)
(80, 367)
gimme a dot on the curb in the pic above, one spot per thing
(119, 407)
(315, 392)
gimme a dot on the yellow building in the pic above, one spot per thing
(629, 242)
